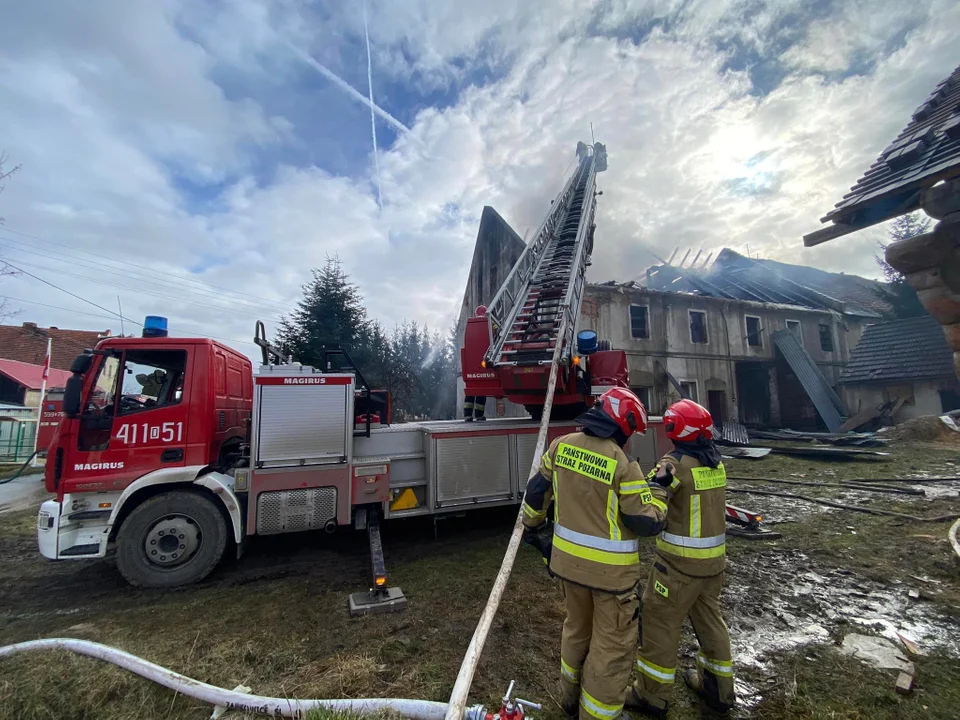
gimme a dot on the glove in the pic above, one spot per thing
(664, 475)
(540, 537)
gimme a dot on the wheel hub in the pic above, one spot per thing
(172, 540)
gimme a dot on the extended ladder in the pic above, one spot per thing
(538, 304)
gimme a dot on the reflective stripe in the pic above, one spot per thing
(689, 552)
(556, 498)
(659, 504)
(617, 546)
(598, 556)
(694, 516)
(530, 512)
(546, 461)
(568, 672)
(723, 668)
(600, 710)
(694, 542)
(633, 487)
(584, 462)
(657, 672)
(613, 506)
(707, 478)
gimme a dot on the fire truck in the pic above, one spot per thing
(175, 451)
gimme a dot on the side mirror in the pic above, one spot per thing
(82, 363)
(72, 395)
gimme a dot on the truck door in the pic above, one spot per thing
(135, 420)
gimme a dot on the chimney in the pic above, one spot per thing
(30, 326)
(53, 327)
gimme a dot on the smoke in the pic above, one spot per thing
(373, 116)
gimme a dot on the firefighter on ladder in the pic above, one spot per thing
(601, 506)
(687, 575)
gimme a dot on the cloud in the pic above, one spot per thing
(185, 140)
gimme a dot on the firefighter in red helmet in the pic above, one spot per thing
(601, 506)
(474, 406)
(687, 575)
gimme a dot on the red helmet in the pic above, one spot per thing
(625, 409)
(481, 311)
(686, 421)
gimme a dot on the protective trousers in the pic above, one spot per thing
(474, 407)
(669, 597)
(596, 650)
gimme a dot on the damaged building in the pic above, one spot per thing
(755, 341)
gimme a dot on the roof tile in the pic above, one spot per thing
(911, 349)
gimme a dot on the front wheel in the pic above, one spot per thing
(175, 538)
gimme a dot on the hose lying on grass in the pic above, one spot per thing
(862, 488)
(232, 700)
(952, 536)
(841, 506)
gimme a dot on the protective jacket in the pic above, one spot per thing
(693, 540)
(602, 503)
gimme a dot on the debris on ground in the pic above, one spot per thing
(820, 452)
(904, 683)
(837, 438)
(876, 651)
(928, 428)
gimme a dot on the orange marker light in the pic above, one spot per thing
(381, 581)
(483, 363)
(576, 360)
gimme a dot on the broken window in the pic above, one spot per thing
(698, 326)
(689, 388)
(753, 332)
(638, 322)
(644, 394)
(794, 327)
(826, 338)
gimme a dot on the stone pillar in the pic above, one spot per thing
(931, 262)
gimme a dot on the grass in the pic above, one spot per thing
(277, 620)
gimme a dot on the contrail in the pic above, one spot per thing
(373, 116)
(343, 85)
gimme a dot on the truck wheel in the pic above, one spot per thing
(172, 539)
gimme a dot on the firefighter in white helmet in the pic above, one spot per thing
(687, 574)
(601, 506)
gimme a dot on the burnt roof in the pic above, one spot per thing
(737, 277)
(926, 152)
(911, 349)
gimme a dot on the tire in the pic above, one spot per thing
(144, 539)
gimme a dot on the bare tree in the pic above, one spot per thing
(5, 270)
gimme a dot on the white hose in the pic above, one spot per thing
(278, 707)
(952, 535)
(461, 689)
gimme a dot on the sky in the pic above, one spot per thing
(195, 159)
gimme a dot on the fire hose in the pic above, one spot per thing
(244, 702)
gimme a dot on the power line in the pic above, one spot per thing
(17, 246)
(87, 278)
(111, 312)
(184, 278)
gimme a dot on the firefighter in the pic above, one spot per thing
(601, 505)
(687, 575)
(474, 406)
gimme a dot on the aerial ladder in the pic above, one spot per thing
(509, 352)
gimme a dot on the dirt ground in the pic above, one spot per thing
(277, 619)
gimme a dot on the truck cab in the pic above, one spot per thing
(141, 414)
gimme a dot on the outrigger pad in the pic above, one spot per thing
(377, 603)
